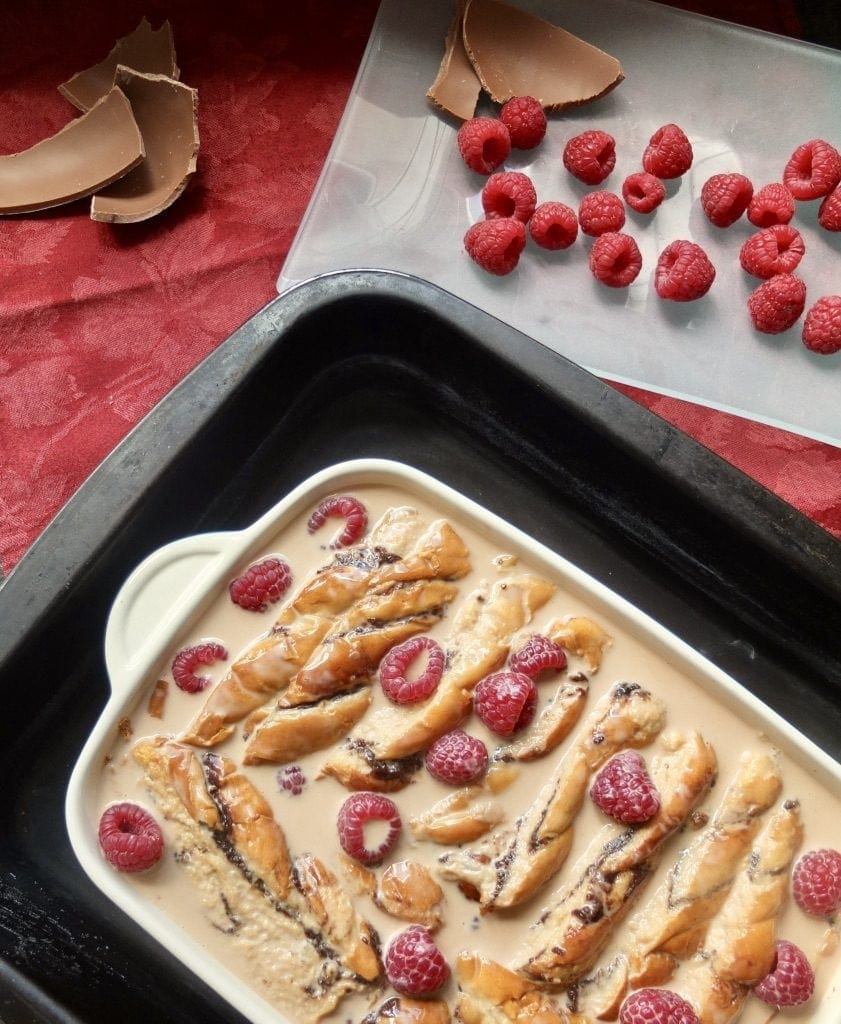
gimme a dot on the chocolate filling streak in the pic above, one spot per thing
(87, 154)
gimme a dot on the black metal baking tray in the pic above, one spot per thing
(355, 364)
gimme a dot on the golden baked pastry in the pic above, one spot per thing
(460, 817)
(403, 1010)
(491, 994)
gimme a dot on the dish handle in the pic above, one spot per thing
(173, 576)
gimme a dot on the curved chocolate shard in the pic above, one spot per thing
(87, 154)
(166, 112)
(519, 54)
(456, 87)
(147, 50)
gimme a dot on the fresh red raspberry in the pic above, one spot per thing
(457, 758)
(292, 780)
(554, 226)
(590, 156)
(188, 660)
(683, 272)
(775, 250)
(262, 584)
(599, 212)
(509, 194)
(777, 303)
(813, 170)
(656, 1006)
(496, 245)
(816, 882)
(772, 204)
(394, 668)
(538, 654)
(829, 213)
(623, 789)
(130, 837)
(725, 197)
(340, 506)
(615, 259)
(355, 813)
(505, 701)
(525, 119)
(413, 963)
(643, 192)
(484, 144)
(791, 981)
(668, 153)
(822, 326)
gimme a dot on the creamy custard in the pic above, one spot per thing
(308, 819)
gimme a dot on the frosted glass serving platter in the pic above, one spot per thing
(395, 195)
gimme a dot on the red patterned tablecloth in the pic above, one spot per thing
(98, 322)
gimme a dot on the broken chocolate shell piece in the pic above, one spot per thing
(519, 54)
(165, 111)
(456, 87)
(147, 50)
(93, 151)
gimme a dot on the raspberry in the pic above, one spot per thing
(394, 666)
(656, 1006)
(340, 506)
(496, 245)
(538, 654)
(505, 701)
(615, 259)
(509, 194)
(683, 272)
(355, 813)
(829, 213)
(590, 156)
(554, 226)
(725, 197)
(623, 789)
(643, 192)
(457, 758)
(413, 963)
(816, 883)
(599, 212)
(822, 326)
(777, 303)
(187, 661)
(525, 119)
(484, 144)
(292, 780)
(262, 584)
(130, 837)
(791, 981)
(772, 204)
(774, 250)
(813, 170)
(668, 153)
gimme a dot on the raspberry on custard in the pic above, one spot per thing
(624, 791)
(668, 153)
(599, 212)
(774, 250)
(394, 670)
(615, 259)
(263, 583)
(457, 758)
(725, 197)
(816, 882)
(525, 119)
(505, 701)
(187, 660)
(791, 980)
(772, 204)
(777, 303)
(358, 811)
(413, 963)
(656, 1006)
(509, 194)
(484, 144)
(538, 654)
(496, 245)
(683, 272)
(554, 226)
(130, 838)
(813, 170)
(822, 326)
(340, 506)
(643, 192)
(590, 156)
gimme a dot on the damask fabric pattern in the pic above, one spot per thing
(98, 322)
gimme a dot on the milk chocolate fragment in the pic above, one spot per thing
(87, 154)
(519, 54)
(165, 111)
(456, 87)
(147, 50)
